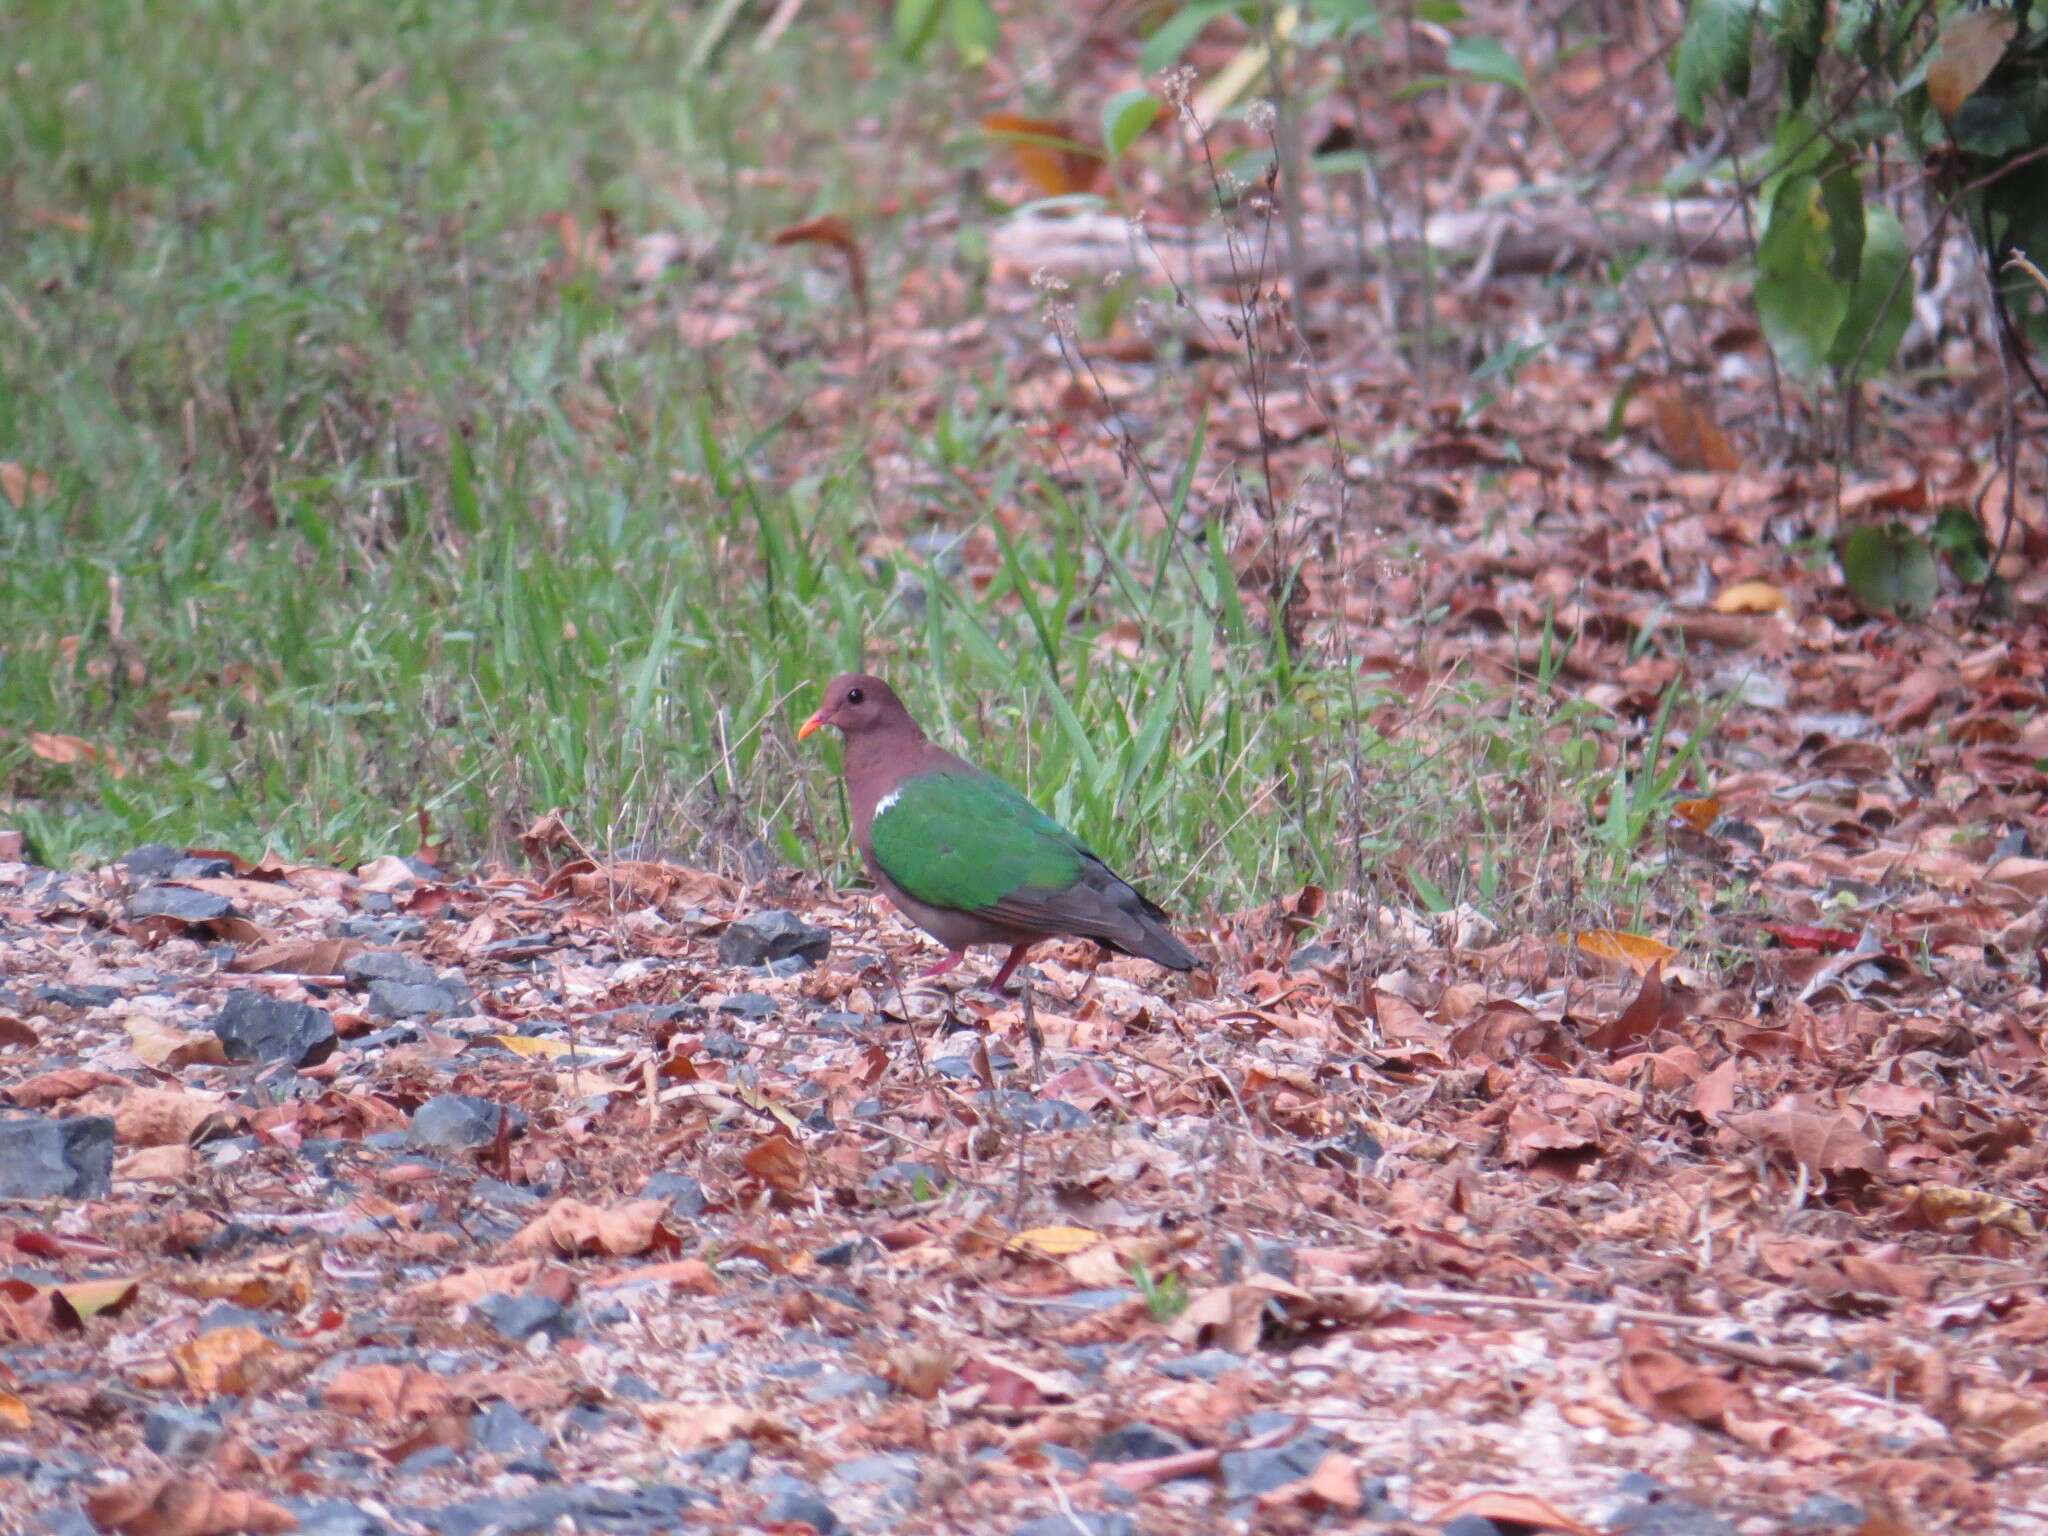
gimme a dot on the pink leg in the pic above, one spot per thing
(1016, 958)
(953, 958)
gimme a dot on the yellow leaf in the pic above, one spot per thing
(1050, 158)
(1699, 814)
(1970, 48)
(1056, 1242)
(546, 1047)
(89, 1298)
(1946, 1202)
(1752, 597)
(1631, 949)
(14, 1412)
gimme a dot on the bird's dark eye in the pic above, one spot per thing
(854, 696)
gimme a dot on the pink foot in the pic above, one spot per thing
(945, 965)
(1016, 958)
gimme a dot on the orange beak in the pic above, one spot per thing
(811, 726)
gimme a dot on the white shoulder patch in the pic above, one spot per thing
(886, 801)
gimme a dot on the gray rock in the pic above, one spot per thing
(152, 861)
(1671, 1517)
(1090, 1301)
(1828, 1512)
(253, 1026)
(653, 1509)
(201, 869)
(833, 1385)
(180, 902)
(65, 995)
(227, 1315)
(1034, 1114)
(334, 1517)
(1472, 1525)
(750, 1005)
(1205, 1366)
(536, 1513)
(683, 1193)
(1082, 1522)
(419, 1000)
(503, 1430)
(519, 1318)
(178, 1433)
(853, 1251)
(372, 928)
(1136, 1442)
(509, 1197)
(388, 965)
(41, 1157)
(733, 1460)
(892, 1477)
(793, 1502)
(1247, 1474)
(451, 1121)
(767, 937)
(1309, 956)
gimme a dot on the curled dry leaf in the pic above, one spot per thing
(691, 1276)
(225, 1360)
(1046, 152)
(299, 957)
(919, 1370)
(1686, 432)
(1751, 597)
(694, 1426)
(155, 1117)
(466, 1286)
(74, 749)
(1513, 1509)
(570, 1227)
(185, 1506)
(1821, 1144)
(73, 1302)
(387, 1394)
(1332, 1486)
(779, 1163)
(1634, 950)
(1660, 1383)
(21, 485)
(47, 1088)
(1054, 1242)
(157, 1165)
(161, 1045)
(281, 1280)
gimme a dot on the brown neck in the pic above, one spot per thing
(876, 759)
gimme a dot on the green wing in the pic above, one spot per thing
(965, 841)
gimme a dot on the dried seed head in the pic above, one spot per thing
(1175, 85)
(1261, 116)
(1048, 282)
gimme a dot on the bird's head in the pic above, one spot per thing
(856, 703)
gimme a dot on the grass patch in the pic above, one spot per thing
(362, 502)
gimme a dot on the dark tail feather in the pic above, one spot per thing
(1155, 941)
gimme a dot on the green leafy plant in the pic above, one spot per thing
(1166, 1296)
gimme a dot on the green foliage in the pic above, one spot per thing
(1125, 116)
(1166, 1296)
(970, 25)
(1958, 536)
(1971, 96)
(1713, 54)
(1889, 569)
(1483, 58)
